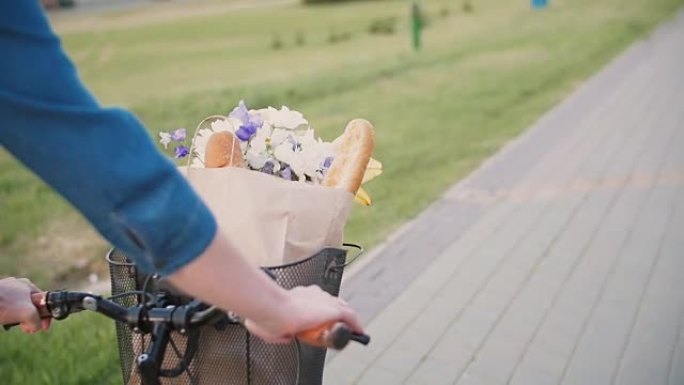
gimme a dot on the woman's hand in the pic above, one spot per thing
(222, 277)
(16, 305)
(304, 308)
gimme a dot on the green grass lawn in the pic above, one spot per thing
(82, 350)
(480, 79)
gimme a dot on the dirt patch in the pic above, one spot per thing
(69, 251)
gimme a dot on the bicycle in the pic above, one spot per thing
(208, 345)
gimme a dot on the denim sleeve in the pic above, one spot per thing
(101, 160)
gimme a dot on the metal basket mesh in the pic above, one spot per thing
(227, 354)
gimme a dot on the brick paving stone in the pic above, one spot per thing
(676, 372)
(653, 339)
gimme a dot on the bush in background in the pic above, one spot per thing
(276, 42)
(383, 26)
(444, 12)
(338, 37)
(325, 1)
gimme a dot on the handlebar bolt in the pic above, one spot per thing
(142, 358)
(90, 303)
(182, 331)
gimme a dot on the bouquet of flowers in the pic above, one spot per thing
(276, 142)
(279, 203)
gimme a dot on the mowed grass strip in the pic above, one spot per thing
(480, 79)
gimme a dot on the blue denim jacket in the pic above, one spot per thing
(100, 159)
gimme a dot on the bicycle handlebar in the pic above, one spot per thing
(60, 304)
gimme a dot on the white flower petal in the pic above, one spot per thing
(283, 118)
(165, 139)
(284, 152)
(278, 136)
(298, 166)
(258, 143)
(256, 160)
(307, 138)
(224, 125)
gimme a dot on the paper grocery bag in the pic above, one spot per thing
(272, 220)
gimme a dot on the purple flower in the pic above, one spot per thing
(181, 151)
(286, 173)
(240, 112)
(245, 132)
(268, 167)
(178, 135)
(327, 162)
(250, 123)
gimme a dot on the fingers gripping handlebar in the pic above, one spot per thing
(60, 304)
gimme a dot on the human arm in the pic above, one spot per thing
(272, 313)
(103, 161)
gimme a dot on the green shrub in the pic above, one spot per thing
(338, 37)
(444, 12)
(276, 42)
(325, 1)
(383, 26)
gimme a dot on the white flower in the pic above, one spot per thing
(284, 152)
(257, 152)
(278, 136)
(283, 118)
(255, 159)
(259, 141)
(313, 157)
(228, 124)
(199, 146)
(307, 138)
(298, 166)
(165, 139)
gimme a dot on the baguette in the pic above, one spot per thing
(223, 150)
(354, 151)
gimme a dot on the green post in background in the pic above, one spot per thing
(416, 25)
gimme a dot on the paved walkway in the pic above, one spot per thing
(560, 261)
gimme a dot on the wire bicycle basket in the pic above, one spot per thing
(224, 352)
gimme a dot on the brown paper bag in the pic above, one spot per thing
(274, 221)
